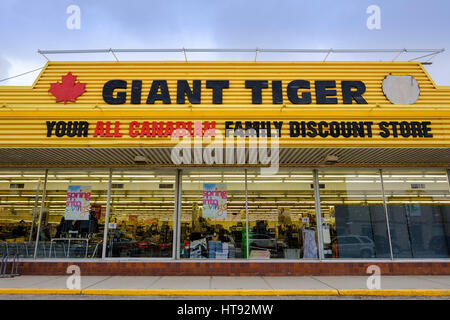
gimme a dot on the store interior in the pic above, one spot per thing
(401, 213)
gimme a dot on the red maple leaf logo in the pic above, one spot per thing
(67, 90)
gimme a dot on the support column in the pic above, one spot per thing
(36, 200)
(318, 213)
(246, 217)
(386, 214)
(177, 217)
(40, 213)
(108, 200)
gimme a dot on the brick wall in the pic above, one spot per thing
(179, 268)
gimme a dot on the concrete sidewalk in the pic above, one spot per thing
(220, 286)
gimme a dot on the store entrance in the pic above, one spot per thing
(280, 224)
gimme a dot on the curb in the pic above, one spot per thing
(231, 292)
(396, 292)
(38, 291)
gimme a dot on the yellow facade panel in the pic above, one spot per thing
(24, 111)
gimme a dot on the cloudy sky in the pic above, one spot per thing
(29, 25)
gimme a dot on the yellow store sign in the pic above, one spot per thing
(156, 104)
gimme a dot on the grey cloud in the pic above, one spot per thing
(4, 68)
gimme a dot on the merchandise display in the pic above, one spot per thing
(309, 244)
(141, 239)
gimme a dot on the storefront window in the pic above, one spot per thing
(354, 220)
(141, 214)
(20, 200)
(418, 204)
(213, 214)
(282, 215)
(73, 217)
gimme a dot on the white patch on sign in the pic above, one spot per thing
(401, 89)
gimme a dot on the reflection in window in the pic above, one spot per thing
(418, 206)
(351, 203)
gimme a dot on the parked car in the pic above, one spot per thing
(439, 246)
(382, 247)
(355, 246)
